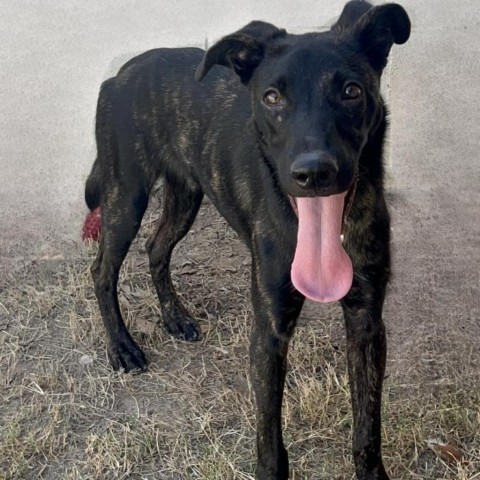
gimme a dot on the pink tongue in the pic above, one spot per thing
(321, 269)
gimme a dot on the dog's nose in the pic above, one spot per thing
(314, 170)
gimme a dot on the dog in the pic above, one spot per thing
(284, 133)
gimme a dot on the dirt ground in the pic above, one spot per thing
(66, 415)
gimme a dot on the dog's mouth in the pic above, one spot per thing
(321, 269)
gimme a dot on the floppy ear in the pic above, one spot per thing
(378, 29)
(241, 51)
(351, 12)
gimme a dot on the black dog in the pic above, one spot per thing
(293, 160)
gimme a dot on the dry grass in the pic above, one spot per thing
(66, 415)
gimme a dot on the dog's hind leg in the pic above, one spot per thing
(122, 212)
(180, 207)
(123, 201)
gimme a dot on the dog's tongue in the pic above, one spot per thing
(321, 269)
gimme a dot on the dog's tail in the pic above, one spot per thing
(93, 186)
(93, 222)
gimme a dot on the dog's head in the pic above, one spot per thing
(315, 96)
(316, 103)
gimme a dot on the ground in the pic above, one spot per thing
(67, 415)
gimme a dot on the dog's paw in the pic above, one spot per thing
(376, 474)
(184, 327)
(272, 467)
(381, 474)
(125, 354)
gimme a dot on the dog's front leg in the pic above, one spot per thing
(366, 351)
(276, 307)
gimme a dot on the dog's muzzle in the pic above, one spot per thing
(314, 171)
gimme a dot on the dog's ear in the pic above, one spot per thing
(351, 12)
(241, 51)
(378, 29)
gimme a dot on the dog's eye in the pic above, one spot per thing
(272, 98)
(352, 91)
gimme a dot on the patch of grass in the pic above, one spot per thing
(66, 415)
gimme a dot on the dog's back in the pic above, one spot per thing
(155, 102)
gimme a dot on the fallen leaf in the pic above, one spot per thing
(448, 453)
(231, 270)
(187, 271)
(86, 360)
(139, 262)
(205, 328)
(124, 303)
(242, 386)
(144, 326)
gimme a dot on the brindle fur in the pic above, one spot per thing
(218, 138)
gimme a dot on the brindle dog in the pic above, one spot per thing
(287, 143)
